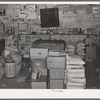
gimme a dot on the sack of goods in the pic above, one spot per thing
(70, 49)
(38, 63)
(71, 85)
(80, 49)
(76, 60)
(2, 67)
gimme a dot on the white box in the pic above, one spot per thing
(54, 53)
(38, 52)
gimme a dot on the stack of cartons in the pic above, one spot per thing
(38, 62)
(56, 66)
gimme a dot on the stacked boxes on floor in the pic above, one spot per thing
(38, 68)
(75, 73)
(56, 66)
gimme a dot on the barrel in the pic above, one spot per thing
(10, 69)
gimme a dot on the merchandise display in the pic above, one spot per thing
(49, 46)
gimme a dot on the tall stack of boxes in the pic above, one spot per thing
(56, 66)
(38, 68)
(75, 73)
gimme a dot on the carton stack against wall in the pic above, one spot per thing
(75, 73)
(38, 68)
(56, 66)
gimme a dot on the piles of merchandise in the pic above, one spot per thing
(75, 73)
(71, 49)
(38, 77)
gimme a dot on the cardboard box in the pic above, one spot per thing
(38, 52)
(40, 83)
(56, 73)
(56, 84)
(56, 61)
(54, 53)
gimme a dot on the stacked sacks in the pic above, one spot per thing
(80, 48)
(70, 49)
(75, 73)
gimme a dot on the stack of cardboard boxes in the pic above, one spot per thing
(56, 66)
(38, 63)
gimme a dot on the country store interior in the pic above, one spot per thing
(49, 46)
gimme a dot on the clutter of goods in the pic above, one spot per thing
(75, 77)
(10, 64)
(17, 58)
(76, 48)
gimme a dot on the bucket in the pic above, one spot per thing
(10, 69)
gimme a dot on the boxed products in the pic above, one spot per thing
(38, 52)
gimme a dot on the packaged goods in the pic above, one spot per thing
(77, 85)
(38, 52)
(76, 70)
(82, 75)
(77, 80)
(74, 66)
(75, 59)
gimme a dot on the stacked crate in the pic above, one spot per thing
(39, 64)
(56, 66)
(75, 73)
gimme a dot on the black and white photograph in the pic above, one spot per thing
(50, 46)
